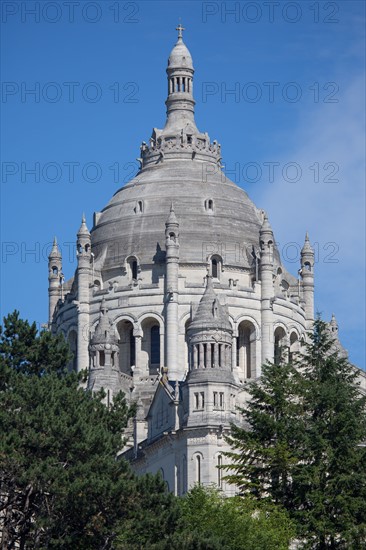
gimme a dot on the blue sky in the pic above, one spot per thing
(279, 84)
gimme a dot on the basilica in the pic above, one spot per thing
(180, 296)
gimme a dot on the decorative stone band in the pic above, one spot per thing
(181, 146)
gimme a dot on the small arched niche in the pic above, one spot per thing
(126, 342)
(246, 350)
(150, 345)
(279, 345)
(216, 266)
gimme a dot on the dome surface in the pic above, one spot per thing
(180, 56)
(133, 223)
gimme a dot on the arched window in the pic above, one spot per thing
(198, 469)
(279, 345)
(209, 205)
(219, 471)
(246, 350)
(133, 268)
(126, 346)
(155, 345)
(216, 266)
(294, 346)
(55, 270)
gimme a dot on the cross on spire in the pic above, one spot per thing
(180, 30)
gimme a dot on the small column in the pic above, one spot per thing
(307, 275)
(208, 355)
(162, 350)
(267, 290)
(216, 354)
(171, 293)
(83, 281)
(195, 357)
(233, 353)
(138, 338)
(202, 357)
(55, 279)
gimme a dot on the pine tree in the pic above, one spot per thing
(303, 445)
(265, 450)
(61, 485)
(331, 478)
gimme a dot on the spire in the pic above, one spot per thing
(180, 102)
(333, 322)
(180, 137)
(172, 219)
(266, 226)
(210, 313)
(83, 228)
(55, 252)
(104, 333)
(307, 246)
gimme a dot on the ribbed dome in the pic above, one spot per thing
(179, 165)
(180, 56)
(133, 223)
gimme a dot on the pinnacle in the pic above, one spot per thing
(266, 226)
(172, 218)
(83, 228)
(55, 251)
(307, 246)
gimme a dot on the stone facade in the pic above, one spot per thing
(180, 295)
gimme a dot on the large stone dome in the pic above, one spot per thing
(215, 216)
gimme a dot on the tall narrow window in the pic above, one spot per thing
(132, 268)
(155, 345)
(196, 401)
(214, 268)
(198, 469)
(202, 400)
(219, 471)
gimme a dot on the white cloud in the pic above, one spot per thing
(331, 212)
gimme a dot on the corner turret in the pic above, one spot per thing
(83, 253)
(266, 240)
(210, 338)
(307, 276)
(171, 293)
(55, 280)
(104, 349)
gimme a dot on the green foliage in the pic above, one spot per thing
(153, 519)
(263, 456)
(331, 481)
(23, 350)
(60, 483)
(303, 449)
(212, 522)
